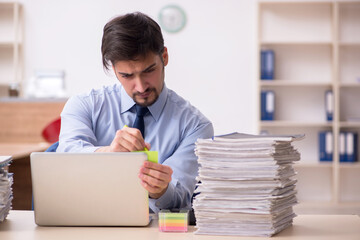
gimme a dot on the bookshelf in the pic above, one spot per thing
(317, 48)
(10, 46)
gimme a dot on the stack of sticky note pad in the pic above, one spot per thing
(6, 180)
(173, 221)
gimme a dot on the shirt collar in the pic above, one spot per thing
(155, 109)
(126, 102)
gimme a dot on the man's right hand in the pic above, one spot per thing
(126, 140)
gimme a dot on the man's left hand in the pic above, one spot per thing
(155, 178)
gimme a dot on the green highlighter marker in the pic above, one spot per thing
(151, 155)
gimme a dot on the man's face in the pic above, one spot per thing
(142, 79)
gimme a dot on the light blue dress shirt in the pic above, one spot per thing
(172, 126)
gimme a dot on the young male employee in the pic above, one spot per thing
(133, 47)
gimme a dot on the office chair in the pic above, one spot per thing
(51, 131)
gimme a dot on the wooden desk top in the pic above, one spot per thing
(20, 150)
(20, 225)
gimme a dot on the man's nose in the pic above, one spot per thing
(140, 85)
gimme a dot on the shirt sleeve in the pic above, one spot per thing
(76, 134)
(185, 169)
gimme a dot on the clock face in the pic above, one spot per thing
(172, 18)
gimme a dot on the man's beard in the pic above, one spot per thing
(146, 101)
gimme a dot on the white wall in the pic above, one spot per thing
(212, 60)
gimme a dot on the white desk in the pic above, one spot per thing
(20, 225)
(22, 150)
(20, 166)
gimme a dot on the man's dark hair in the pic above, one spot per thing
(129, 37)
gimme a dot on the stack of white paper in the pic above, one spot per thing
(6, 180)
(247, 184)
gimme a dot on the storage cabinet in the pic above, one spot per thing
(11, 69)
(317, 49)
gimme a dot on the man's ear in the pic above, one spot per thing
(165, 56)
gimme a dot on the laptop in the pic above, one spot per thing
(88, 189)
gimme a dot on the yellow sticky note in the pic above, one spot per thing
(151, 155)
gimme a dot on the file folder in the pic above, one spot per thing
(342, 146)
(351, 147)
(267, 64)
(329, 105)
(326, 146)
(267, 105)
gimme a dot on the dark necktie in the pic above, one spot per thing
(139, 121)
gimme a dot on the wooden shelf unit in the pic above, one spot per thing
(11, 46)
(317, 48)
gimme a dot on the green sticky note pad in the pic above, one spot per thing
(151, 155)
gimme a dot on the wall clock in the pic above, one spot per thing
(172, 18)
